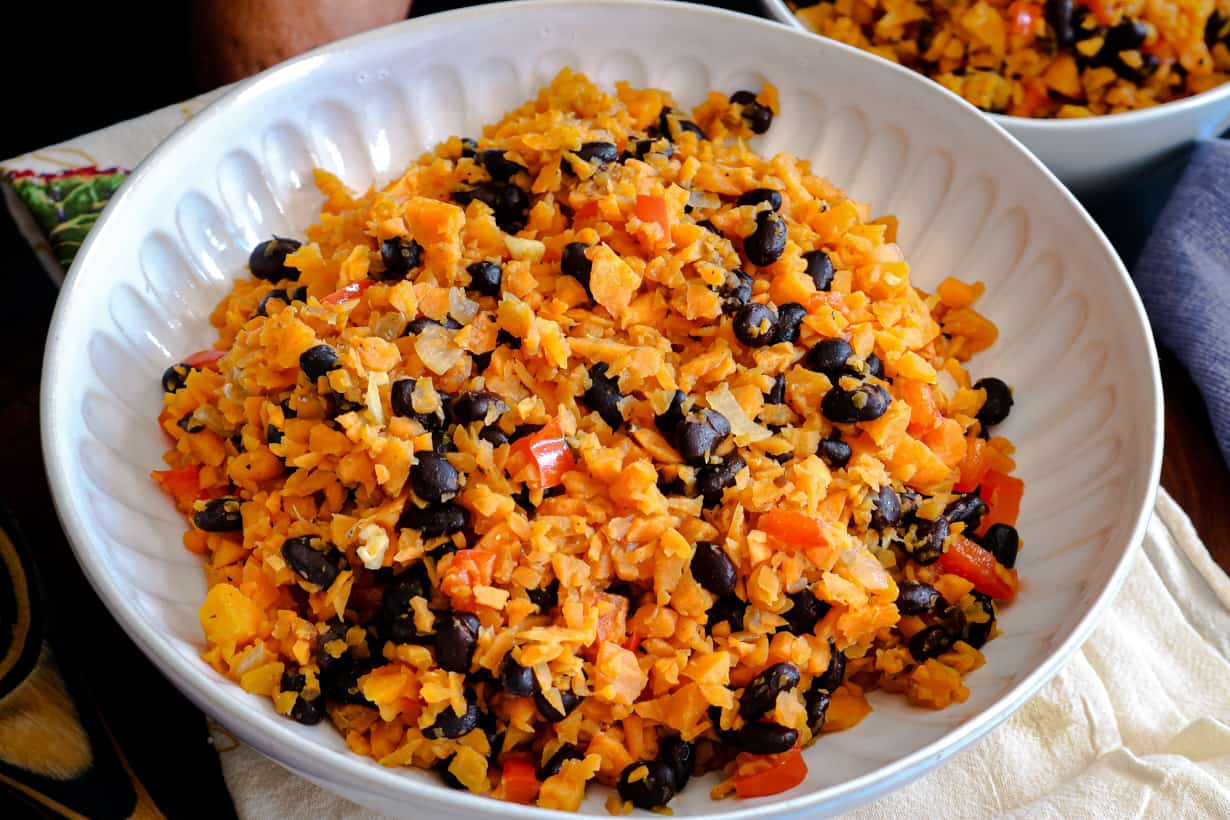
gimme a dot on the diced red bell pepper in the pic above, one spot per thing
(793, 527)
(789, 771)
(519, 781)
(587, 211)
(351, 291)
(1003, 495)
(1021, 17)
(653, 209)
(549, 454)
(204, 357)
(974, 466)
(468, 569)
(978, 566)
(183, 483)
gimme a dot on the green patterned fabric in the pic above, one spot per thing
(66, 205)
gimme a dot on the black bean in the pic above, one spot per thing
(1061, 14)
(931, 642)
(789, 322)
(680, 755)
(448, 777)
(400, 256)
(728, 609)
(434, 478)
(308, 712)
(396, 597)
(545, 598)
(759, 117)
(713, 569)
(516, 679)
(924, 540)
(401, 395)
(866, 402)
(292, 681)
(777, 393)
(709, 226)
(759, 195)
(647, 784)
(820, 269)
(672, 124)
(598, 153)
(875, 367)
(998, 404)
(316, 565)
(1126, 35)
(670, 419)
(473, 405)
(493, 435)
(421, 323)
(643, 148)
(275, 295)
(503, 337)
(436, 520)
(1002, 541)
(190, 424)
(968, 510)
(835, 673)
(268, 259)
(712, 481)
(569, 699)
(299, 294)
(499, 166)
(273, 435)
(755, 325)
(697, 437)
(1216, 29)
(830, 357)
(816, 704)
(576, 264)
(761, 694)
(764, 738)
(977, 634)
(768, 241)
(340, 681)
(509, 202)
(336, 405)
(485, 277)
(451, 725)
(834, 452)
(456, 637)
(175, 377)
(885, 509)
(556, 761)
(736, 290)
(806, 612)
(219, 515)
(952, 618)
(603, 396)
(317, 361)
(917, 598)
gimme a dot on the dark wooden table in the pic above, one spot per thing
(122, 75)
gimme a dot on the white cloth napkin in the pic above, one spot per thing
(1137, 724)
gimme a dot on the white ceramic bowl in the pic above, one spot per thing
(1074, 341)
(1092, 153)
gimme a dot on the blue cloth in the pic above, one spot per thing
(1183, 276)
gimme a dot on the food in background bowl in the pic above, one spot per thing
(600, 447)
(1056, 58)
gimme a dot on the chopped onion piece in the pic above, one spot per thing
(742, 427)
(459, 307)
(435, 347)
(530, 250)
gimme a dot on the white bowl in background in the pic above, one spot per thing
(1074, 340)
(1092, 153)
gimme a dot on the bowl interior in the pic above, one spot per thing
(972, 203)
